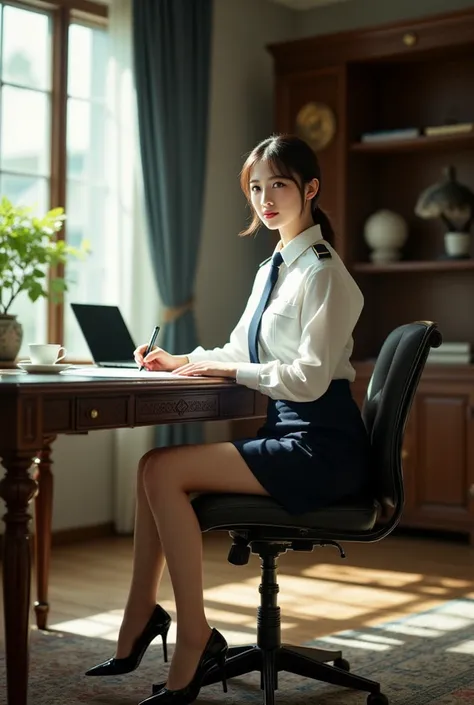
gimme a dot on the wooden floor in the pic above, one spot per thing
(319, 593)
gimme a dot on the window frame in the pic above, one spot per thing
(62, 13)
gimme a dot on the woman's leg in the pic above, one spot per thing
(170, 475)
(148, 565)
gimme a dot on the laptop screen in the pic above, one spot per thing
(105, 331)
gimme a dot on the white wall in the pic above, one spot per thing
(364, 13)
(241, 114)
(83, 480)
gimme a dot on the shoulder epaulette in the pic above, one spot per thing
(321, 251)
(264, 262)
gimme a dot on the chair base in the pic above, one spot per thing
(270, 656)
(299, 660)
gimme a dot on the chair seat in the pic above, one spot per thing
(243, 511)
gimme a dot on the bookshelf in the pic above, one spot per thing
(444, 265)
(416, 144)
(412, 74)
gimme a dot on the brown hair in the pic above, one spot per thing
(293, 158)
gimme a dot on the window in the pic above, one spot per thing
(86, 195)
(52, 136)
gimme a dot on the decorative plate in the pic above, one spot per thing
(316, 124)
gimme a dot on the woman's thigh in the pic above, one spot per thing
(214, 467)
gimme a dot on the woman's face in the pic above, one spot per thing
(276, 198)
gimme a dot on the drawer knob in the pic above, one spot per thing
(410, 39)
(94, 414)
(471, 491)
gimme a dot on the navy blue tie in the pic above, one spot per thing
(256, 321)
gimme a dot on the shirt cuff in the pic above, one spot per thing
(198, 355)
(248, 374)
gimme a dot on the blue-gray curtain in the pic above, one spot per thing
(172, 48)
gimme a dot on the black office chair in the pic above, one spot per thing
(260, 525)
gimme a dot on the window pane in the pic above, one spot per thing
(26, 56)
(26, 191)
(88, 279)
(25, 126)
(85, 141)
(87, 62)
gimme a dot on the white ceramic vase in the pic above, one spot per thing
(457, 244)
(385, 232)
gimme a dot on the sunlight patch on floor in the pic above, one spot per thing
(358, 575)
(412, 630)
(106, 626)
(302, 597)
(466, 647)
(355, 642)
(463, 608)
(439, 621)
(100, 626)
(244, 594)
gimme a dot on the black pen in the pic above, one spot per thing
(150, 345)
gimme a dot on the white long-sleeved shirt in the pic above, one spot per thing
(305, 338)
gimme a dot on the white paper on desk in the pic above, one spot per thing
(125, 373)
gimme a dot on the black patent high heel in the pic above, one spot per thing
(214, 654)
(157, 625)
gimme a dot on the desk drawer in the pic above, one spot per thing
(102, 412)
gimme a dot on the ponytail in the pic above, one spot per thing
(320, 218)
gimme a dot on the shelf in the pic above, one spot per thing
(442, 265)
(432, 371)
(415, 144)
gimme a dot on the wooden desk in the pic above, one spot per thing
(34, 409)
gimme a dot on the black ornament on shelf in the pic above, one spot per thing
(453, 203)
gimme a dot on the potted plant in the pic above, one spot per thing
(29, 247)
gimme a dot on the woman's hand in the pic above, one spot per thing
(207, 368)
(158, 359)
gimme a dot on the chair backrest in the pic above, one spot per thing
(387, 403)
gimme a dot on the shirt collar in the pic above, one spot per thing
(299, 244)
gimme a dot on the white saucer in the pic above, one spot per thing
(43, 369)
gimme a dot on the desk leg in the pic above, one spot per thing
(17, 489)
(43, 521)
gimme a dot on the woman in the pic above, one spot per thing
(292, 343)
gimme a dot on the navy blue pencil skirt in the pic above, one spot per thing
(308, 455)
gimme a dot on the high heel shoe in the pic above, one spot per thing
(157, 625)
(213, 655)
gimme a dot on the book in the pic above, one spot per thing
(452, 347)
(454, 129)
(387, 135)
(449, 358)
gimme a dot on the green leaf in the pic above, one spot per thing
(38, 273)
(58, 285)
(35, 290)
(29, 246)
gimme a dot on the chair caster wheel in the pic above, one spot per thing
(342, 663)
(377, 699)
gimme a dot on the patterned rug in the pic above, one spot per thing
(425, 659)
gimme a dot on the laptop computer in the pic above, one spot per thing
(106, 334)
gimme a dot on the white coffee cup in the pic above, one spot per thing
(46, 353)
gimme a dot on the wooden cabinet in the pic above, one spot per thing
(438, 451)
(412, 74)
(440, 493)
